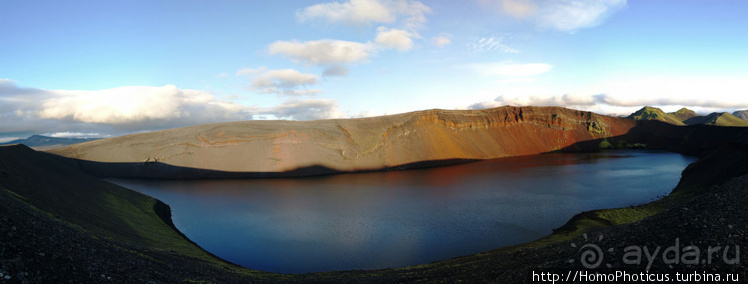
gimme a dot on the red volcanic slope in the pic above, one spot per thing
(342, 145)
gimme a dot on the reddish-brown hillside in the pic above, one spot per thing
(311, 147)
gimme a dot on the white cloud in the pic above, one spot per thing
(414, 11)
(71, 113)
(68, 134)
(394, 38)
(283, 78)
(562, 100)
(322, 52)
(117, 110)
(301, 92)
(441, 40)
(354, 12)
(716, 93)
(367, 12)
(128, 104)
(309, 109)
(561, 15)
(571, 15)
(335, 70)
(8, 139)
(485, 105)
(333, 54)
(282, 81)
(519, 8)
(289, 92)
(488, 44)
(624, 96)
(510, 69)
(251, 71)
(574, 101)
(407, 15)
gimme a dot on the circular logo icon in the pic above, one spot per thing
(592, 256)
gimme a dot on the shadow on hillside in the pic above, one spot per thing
(722, 151)
(160, 170)
(72, 195)
(693, 140)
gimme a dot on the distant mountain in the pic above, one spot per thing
(686, 116)
(653, 113)
(742, 114)
(683, 114)
(38, 141)
(716, 118)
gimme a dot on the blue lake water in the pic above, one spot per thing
(399, 218)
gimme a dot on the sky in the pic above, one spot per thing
(108, 68)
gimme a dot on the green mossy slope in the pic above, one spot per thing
(653, 113)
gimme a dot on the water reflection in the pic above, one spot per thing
(393, 219)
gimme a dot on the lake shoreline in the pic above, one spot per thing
(442, 212)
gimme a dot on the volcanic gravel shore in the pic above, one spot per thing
(38, 248)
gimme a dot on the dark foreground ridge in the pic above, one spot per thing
(59, 224)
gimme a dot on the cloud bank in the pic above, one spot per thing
(133, 103)
(702, 94)
(309, 109)
(144, 108)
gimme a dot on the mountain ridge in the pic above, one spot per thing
(683, 114)
(686, 116)
(653, 113)
(47, 142)
(742, 114)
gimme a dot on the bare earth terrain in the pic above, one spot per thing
(343, 145)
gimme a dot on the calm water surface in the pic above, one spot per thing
(394, 219)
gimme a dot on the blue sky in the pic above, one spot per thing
(78, 68)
